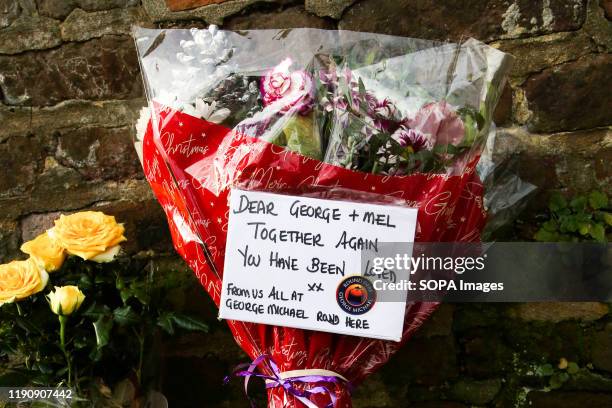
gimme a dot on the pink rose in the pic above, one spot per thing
(439, 121)
(287, 90)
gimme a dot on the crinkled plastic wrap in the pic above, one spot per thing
(333, 114)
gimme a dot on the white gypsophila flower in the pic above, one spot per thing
(206, 111)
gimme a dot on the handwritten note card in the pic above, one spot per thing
(299, 262)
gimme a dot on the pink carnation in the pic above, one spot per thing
(287, 90)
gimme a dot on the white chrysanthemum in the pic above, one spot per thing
(206, 111)
(207, 48)
(201, 62)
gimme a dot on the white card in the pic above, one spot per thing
(299, 262)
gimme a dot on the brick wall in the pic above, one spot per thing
(70, 90)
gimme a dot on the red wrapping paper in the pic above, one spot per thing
(191, 164)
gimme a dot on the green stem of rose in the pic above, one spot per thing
(140, 337)
(63, 321)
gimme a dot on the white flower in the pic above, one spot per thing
(206, 111)
(212, 44)
(139, 151)
(168, 98)
(141, 129)
(201, 61)
(184, 58)
(142, 122)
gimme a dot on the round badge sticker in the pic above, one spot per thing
(356, 295)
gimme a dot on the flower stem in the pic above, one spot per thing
(140, 337)
(375, 167)
(63, 320)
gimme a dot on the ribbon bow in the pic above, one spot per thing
(289, 379)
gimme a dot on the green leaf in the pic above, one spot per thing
(578, 204)
(96, 354)
(141, 293)
(189, 323)
(302, 137)
(85, 282)
(125, 294)
(119, 282)
(607, 218)
(550, 225)
(546, 236)
(363, 105)
(43, 368)
(471, 131)
(584, 228)
(558, 379)
(27, 325)
(125, 316)
(80, 342)
(278, 138)
(598, 232)
(362, 88)
(598, 200)
(165, 322)
(572, 368)
(472, 115)
(545, 370)
(103, 327)
(557, 202)
(95, 310)
(569, 223)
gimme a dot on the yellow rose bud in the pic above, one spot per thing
(91, 235)
(20, 279)
(65, 300)
(44, 250)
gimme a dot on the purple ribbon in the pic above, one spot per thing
(288, 384)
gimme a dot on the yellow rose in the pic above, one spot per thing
(44, 250)
(20, 279)
(65, 300)
(92, 235)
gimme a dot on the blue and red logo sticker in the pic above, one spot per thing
(356, 295)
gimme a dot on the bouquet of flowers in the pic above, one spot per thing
(335, 114)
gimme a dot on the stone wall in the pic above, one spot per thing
(70, 90)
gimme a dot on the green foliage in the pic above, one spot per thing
(301, 136)
(125, 309)
(582, 218)
(557, 376)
